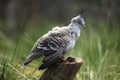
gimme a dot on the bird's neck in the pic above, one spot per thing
(75, 30)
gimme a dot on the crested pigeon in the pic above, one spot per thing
(55, 43)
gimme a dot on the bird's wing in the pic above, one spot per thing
(52, 41)
(52, 45)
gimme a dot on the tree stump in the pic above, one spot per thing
(63, 70)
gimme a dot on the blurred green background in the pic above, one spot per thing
(22, 22)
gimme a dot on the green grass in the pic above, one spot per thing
(98, 46)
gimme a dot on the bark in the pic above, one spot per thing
(63, 70)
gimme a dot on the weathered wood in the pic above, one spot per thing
(63, 70)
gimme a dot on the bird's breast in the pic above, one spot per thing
(71, 45)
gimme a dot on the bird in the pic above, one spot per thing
(56, 43)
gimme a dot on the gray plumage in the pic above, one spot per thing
(54, 44)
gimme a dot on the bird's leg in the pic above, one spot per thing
(63, 59)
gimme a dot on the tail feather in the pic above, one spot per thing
(27, 61)
(31, 57)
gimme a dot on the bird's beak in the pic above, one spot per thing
(84, 26)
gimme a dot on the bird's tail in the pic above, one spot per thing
(31, 57)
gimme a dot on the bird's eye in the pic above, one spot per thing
(79, 22)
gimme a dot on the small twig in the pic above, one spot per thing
(18, 72)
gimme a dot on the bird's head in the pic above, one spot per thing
(78, 20)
